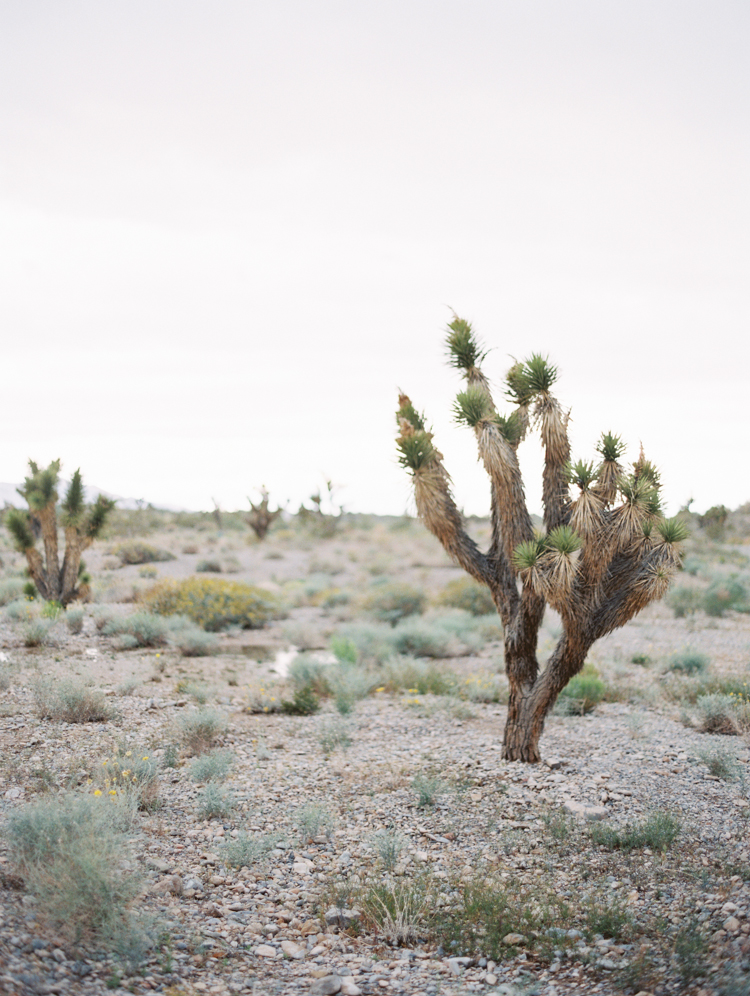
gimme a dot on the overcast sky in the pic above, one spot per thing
(231, 230)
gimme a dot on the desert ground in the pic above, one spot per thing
(318, 803)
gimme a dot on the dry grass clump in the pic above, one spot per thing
(200, 729)
(465, 593)
(69, 701)
(138, 552)
(392, 602)
(72, 853)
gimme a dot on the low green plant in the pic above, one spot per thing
(171, 756)
(374, 642)
(389, 846)
(643, 659)
(135, 772)
(344, 649)
(405, 673)
(148, 572)
(313, 820)
(658, 832)
(37, 633)
(392, 602)
(428, 787)
(725, 595)
(722, 764)
(246, 850)
(212, 603)
(559, 824)
(68, 701)
(141, 629)
(465, 593)
(210, 566)
(137, 552)
(306, 671)
(72, 852)
(684, 600)
(212, 767)
(688, 661)
(334, 734)
(608, 917)
(215, 802)
(201, 728)
(717, 713)
(74, 620)
(304, 702)
(11, 590)
(583, 693)
(398, 908)
(690, 951)
(22, 610)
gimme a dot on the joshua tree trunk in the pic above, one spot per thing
(597, 564)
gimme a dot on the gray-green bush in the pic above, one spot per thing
(68, 701)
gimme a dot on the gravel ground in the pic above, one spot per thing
(263, 929)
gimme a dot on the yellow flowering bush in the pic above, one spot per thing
(213, 603)
(261, 699)
(133, 772)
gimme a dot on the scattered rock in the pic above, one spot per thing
(327, 986)
(292, 950)
(337, 917)
(266, 951)
(515, 940)
(591, 813)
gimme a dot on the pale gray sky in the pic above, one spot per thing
(230, 231)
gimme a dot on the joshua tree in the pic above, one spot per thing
(261, 518)
(606, 553)
(81, 525)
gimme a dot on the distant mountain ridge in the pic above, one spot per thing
(9, 496)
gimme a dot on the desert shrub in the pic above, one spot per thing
(722, 764)
(190, 548)
(332, 735)
(724, 595)
(349, 684)
(582, 694)
(102, 616)
(344, 649)
(209, 566)
(428, 787)
(688, 661)
(717, 713)
(201, 728)
(72, 854)
(74, 620)
(11, 589)
(392, 602)
(189, 639)
(215, 802)
(137, 552)
(374, 642)
(212, 767)
(313, 820)
(398, 908)
(212, 603)
(68, 701)
(37, 633)
(306, 671)
(263, 699)
(142, 629)
(422, 677)
(684, 600)
(658, 831)
(465, 593)
(22, 610)
(245, 849)
(423, 638)
(483, 688)
(133, 772)
(389, 846)
(304, 702)
(148, 571)
(691, 952)
(643, 659)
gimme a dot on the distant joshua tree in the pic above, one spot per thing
(261, 517)
(81, 523)
(605, 553)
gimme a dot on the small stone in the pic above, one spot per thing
(349, 987)
(591, 813)
(265, 951)
(292, 950)
(311, 927)
(514, 939)
(193, 883)
(491, 979)
(327, 986)
(59, 955)
(732, 925)
(336, 917)
(159, 865)
(554, 763)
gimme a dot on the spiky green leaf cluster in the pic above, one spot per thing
(525, 380)
(564, 539)
(527, 554)
(73, 505)
(672, 530)
(407, 411)
(464, 349)
(98, 515)
(644, 470)
(640, 493)
(611, 447)
(40, 487)
(510, 427)
(20, 529)
(471, 406)
(416, 450)
(582, 474)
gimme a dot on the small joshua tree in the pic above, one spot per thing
(261, 518)
(81, 524)
(606, 553)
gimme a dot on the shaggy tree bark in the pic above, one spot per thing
(56, 583)
(597, 564)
